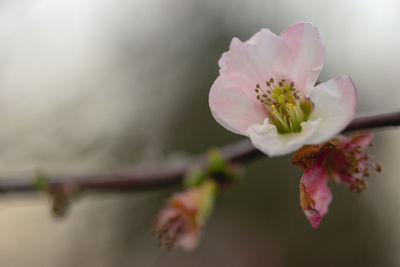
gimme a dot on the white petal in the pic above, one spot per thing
(264, 56)
(335, 103)
(232, 108)
(266, 138)
(305, 41)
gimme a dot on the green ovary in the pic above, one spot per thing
(285, 107)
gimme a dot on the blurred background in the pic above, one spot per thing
(90, 85)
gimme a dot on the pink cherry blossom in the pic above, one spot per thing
(266, 91)
(341, 160)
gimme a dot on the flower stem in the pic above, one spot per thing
(165, 175)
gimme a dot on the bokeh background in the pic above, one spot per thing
(90, 85)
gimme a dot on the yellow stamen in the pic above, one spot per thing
(283, 104)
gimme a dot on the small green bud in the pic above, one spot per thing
(210, 190)
(216, 162)
(193, 178)
(41, 183)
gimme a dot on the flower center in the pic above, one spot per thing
(286, 107)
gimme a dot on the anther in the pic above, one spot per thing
(378, 168)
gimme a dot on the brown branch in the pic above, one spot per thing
(160, 176)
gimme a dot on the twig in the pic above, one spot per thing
(161, 176)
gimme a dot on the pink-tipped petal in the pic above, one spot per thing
(264, 56)
(315, 195)
(361, 139)
(305, 41)
(335, 102)
(232, 109)
(266, 138)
